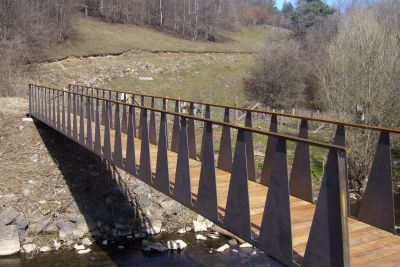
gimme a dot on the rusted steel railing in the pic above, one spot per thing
(87, 120)
(377, 205)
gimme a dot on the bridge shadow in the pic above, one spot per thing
(100, 194)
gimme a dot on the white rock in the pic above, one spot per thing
(201, 237)
(45, 249)
(56, 245)
(235, 250)
(29, 248)
(222, 248)
(188, 229)
(254, 253)
(10, 245)
(213, 236)
(27, 119)
(199, 226)
(145, 78)
(79, 247)
(181, 231)
(84, 251)
(42, 201)
(176, 244)
(121, 247)
(208, 223)
(245, 245)
(129, 237)
(87, 242)
(104, 243)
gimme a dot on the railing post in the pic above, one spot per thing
(206, 203)
(248, 137)
(176, 129)
(145, 167)
(300, 176)
(328, 242)
(225, 148)
(237, 213)
(162, 182)
(191, 134)
(182, 190)
(269, 152)
(130, 163)
(152, 125)
(276, 227)
(30, 100)
(377, 206)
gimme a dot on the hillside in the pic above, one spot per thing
(209, 71)
(93, 37)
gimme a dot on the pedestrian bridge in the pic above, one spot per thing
(192, 158)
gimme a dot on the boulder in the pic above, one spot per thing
(66, 230)
(8, 215)
(171, 207)
(9, 240)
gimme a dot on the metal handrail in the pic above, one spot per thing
(238, 127)
(330, 121)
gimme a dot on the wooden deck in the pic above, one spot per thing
(369, 246)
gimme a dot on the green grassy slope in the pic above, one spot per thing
(97, 37)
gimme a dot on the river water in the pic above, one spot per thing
(197, 253)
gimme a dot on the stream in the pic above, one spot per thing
(197, 253)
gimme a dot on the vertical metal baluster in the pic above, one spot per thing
(377, 206)
(328, 243)
(75, 122)
(237, 214)
(225, 150)
(276, 228)
(191, 134)
(97, 132)
(145, 167)
(111, 110)
(82, 121)
(248, 137)
(118, 158)
(30, 100)
(89, 108)
(206, 203)
(103, 111)
(141, 116)
(175, 130)
(300, 176)
(182, 190)
(124, 124)
(58, 112)
(269, 151)
(69, 132)
(130, 164)
(152, 125)
(54, 110)
(107, 154)
(162, 174)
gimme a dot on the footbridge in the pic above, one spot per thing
(267, 199)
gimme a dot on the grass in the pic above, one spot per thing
(98, 37)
